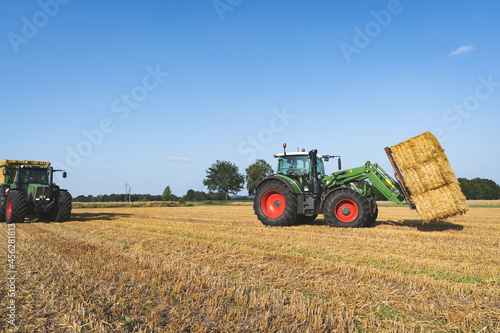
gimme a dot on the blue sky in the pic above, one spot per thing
(152, 93)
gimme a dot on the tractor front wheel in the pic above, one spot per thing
(373, 213)
(346, 208)
(275, 204)
(15, 211)
(62, 207)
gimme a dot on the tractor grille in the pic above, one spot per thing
(42, 192)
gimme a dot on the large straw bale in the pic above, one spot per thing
(428, 176)
(416, 150)
(440, 203)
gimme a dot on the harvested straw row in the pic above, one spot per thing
(428, 176)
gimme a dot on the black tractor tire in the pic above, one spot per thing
(3, 208)
(373, 214)
(346, 208)
(17, 206)
(62, 207)
(275, 205)
(303, 219)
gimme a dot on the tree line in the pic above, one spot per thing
(473, 189)
(223, 178)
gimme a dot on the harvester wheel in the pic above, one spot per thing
(62, 207)
(15, 211)
(275, 204)
(346, 208)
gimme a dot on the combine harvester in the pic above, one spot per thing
(28, 188)
(300, 190)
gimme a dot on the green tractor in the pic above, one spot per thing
(29, 189)
(300, 190)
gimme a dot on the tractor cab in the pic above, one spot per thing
(32, 175)
(35, 180)
(298, 166)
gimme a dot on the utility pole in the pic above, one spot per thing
(128, 192)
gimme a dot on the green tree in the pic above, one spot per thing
(479, 189)
(189, 195)
(167, 194)
(224, 177)
(255, 173)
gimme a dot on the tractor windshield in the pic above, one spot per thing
(295, 165)
(34, 176)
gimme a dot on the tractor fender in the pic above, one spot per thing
(57, 190)
(294, 188)
(3, 190)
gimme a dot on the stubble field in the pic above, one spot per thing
(218, 269)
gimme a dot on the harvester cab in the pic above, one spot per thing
(29, 189)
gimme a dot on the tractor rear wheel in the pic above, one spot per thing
(275, 204)
(62, 207)
(346, 208)
(15, 211)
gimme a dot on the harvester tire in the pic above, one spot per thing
(62, 208)
(346, 208)
(16, 208)
(275, 205)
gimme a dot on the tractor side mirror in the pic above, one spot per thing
(340, 164)
(5, 172)
(64, 174)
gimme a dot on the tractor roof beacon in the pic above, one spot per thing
(28, 189)
(300, 190)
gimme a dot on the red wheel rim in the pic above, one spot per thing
(9, 208)
(346, 210)
(273, 204)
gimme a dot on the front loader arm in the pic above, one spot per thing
(373, 173)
